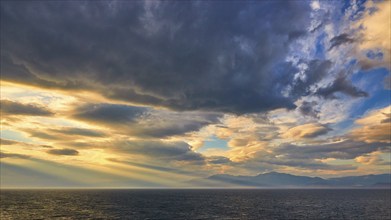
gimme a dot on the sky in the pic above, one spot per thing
(157, 93)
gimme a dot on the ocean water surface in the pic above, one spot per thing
(196, 204)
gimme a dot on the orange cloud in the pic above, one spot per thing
(375, 33)
(374, 127)
(310, 130)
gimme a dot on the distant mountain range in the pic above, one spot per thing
(275, 179)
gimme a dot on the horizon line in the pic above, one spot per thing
(184, 188)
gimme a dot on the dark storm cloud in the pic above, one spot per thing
(342, 85)
(8, 107)
(169, 151)
(144, 122)
(18, 73)
(339, 40)
(106, 113)
(64, 151)
(194, 55)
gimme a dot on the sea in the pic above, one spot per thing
(196, 204)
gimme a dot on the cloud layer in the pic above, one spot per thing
(157, 93)
(220, 57)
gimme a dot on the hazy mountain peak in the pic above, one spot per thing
(276, 179)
